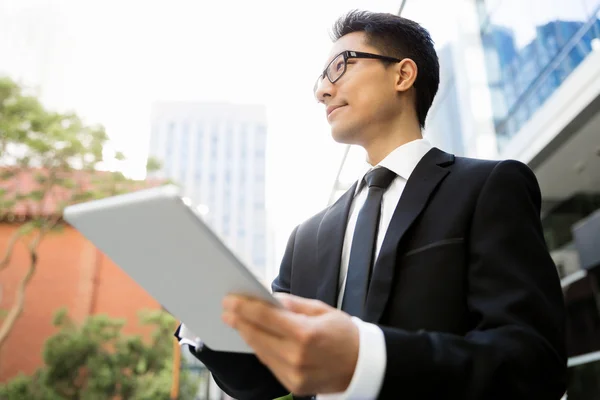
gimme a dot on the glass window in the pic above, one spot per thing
(169, 150)
(199, 146)
(530, 48)
(184, 149)
(214, 143)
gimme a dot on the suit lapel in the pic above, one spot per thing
(330, 240)
(427, 175)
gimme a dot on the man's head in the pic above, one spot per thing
(372, 93)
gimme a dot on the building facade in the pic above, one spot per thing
(543, 68)
(216, 153)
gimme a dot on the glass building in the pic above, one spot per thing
(542, 62)
(531, 47)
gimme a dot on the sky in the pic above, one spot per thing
(110, 60)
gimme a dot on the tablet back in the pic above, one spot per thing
(160, 242)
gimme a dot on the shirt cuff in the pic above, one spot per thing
(185, 336)
(370, 366)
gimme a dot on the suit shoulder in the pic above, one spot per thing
(508, 174)
(317, 217)
(484, 168)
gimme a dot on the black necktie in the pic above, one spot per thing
(363, 242)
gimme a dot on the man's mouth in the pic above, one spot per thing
(332, 108)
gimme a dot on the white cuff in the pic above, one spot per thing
(187, 337)
(370, 367)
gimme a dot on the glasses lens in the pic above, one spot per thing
(336, 68)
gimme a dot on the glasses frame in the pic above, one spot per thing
(347, 54)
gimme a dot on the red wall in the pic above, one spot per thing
(71, 273)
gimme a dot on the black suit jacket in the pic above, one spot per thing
(464, 288)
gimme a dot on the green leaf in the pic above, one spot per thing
(27, 228)
(119, 156)
(7, 204)
(36, 195)
(41, 178)
(7, 174)
(153, 164)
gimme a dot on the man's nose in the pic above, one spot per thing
(324, 89)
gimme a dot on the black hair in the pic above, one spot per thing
(402, 38)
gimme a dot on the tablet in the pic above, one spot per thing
(157, 238)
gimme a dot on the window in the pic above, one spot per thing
(228, 143)
(214, 143)
(184, 149)
(199, 146)
(243, 142)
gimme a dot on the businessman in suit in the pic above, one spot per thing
(428, 279)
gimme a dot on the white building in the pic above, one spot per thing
(216, 153)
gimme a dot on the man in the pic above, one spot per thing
(428, 279)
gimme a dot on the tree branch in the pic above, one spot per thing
(9, 249)
(17, 308)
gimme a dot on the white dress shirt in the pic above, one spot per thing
(370, 367)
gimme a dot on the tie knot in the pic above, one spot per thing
(380, 177)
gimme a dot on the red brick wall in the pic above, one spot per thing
(71, 273)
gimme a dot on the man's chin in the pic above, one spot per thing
(343, 136)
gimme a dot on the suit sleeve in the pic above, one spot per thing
(516, 348)
(243, 376)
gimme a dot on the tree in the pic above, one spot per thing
(49, 160)
(97, 361)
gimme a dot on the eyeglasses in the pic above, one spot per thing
(337, 67)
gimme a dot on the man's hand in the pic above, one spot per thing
(309, 346)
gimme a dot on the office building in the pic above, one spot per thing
(216, 153)
(544, 72)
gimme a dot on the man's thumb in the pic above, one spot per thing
(301, 305)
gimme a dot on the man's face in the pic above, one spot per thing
(364, 98)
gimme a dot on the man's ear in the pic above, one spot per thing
(406, 74)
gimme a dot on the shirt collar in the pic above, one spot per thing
(403, 160)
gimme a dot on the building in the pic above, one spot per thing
(216, 153)
(71, 272)
(544, 77)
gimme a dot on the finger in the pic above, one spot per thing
(301, 305)
(268, 347)
(276, 321)
(279, 355)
